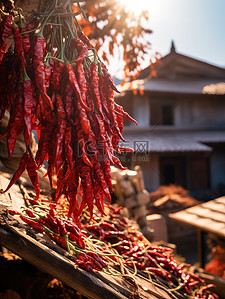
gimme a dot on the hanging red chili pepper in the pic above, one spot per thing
(33, 174)
(22, 166)
(18, 43)
(5, 29)
(81, 49)
(29, 105)
(74, 84)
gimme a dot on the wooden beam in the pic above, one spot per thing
(52, 263)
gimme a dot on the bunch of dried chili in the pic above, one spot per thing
(59, 86)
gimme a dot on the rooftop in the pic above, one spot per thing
(155, 140)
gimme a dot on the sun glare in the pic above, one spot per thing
(134, 6)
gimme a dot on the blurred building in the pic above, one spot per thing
(179, 103)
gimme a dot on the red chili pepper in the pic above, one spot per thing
(107, 226)
(122, 222)
(71, 192)
(72, 228)
(68, 147)
(60, 241)
(26, 36)
(18, 43)
(61, 181)
(29, 106)
(120, 111)
(33, 175)
(30, 213)
(85, 265)
(81, 49)
(62, 228)
(83, 256)
(35, 225)
(108, 78)
(45, 142)
(107, 173)
(98, 173)
(73, 238)
(110, 234)
(186, 289)
(117, 162)
(39, 46)
(117, 211)
(16, 121)
(85, 39)
(84, 121)
(132, 250)
(86, 182)
(97, 258)
(52, 224)
(6, 27)
(61, 128)
(68, 102)
(150, 260)
(48, 71)
(156, 253)
(13, 212)
(81, 242)
(74, 84)
(122, 248)
(22, 166)
(96, 264)
(165, 249)
(91, 227)
(94, 88)
(99, 198)
(82, 152)
(109, 96)
(57, 75)
(182, 266)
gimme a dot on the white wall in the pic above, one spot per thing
(200, 112)
(141, 110)
(150, 167)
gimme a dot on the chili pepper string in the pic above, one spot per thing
(58, 85)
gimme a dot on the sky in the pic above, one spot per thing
(196, 26)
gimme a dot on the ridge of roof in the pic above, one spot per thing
(172, 55)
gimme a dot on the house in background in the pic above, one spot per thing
(181, 114)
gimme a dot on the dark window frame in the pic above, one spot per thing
(162, 112)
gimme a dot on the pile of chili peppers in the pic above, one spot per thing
(68, 235)
(53, 81)
(156, 261)
(104, 242)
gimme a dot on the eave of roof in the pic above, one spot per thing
(151, 140)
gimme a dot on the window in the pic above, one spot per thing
(161, 114)
(167, 115)
(172, 170)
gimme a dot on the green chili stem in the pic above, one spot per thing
(25, 76)
(40, 33)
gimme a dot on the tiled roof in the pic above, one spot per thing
(187, 86)
(153, 140)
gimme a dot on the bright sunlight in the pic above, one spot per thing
(134, 6)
